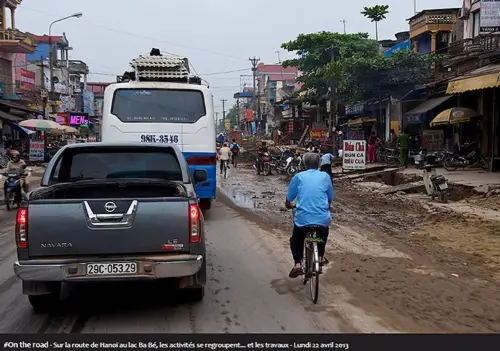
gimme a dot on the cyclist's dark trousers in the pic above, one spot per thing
(297, 242)
(234, 157)
(222, 165)
(327, 169)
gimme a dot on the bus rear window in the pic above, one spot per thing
(158, 105)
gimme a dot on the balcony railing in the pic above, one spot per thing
(14, 34)
(433, 19)
(479, 45)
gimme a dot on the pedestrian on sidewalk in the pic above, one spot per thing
(404, 148)
(372, 145)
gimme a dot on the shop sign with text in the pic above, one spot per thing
(26, 79)
(78, 119)
(354, 154)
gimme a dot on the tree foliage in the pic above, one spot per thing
(376, 14)
(349, 67)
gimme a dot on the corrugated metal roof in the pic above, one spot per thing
(427, 106)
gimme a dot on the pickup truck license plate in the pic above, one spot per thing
(118, 268)
(443, 186)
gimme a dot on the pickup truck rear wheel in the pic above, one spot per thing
(44, 303)
(205, 204)
(195, 294)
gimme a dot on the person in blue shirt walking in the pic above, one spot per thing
(313, 191)
(326, 164)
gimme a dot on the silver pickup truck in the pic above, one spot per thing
(108, 212)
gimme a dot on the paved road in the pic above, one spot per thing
(241, 296)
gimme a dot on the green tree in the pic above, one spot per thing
(376, 14)
(348, 68)
(321, 59)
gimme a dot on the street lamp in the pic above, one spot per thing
(51, 68)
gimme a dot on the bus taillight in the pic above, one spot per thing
(202, 161)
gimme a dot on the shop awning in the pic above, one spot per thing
(19, 106)
(9, 117)
(427, 106)
(482, 78)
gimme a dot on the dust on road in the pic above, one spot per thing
(414, 267)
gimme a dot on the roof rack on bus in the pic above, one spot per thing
(156, 67)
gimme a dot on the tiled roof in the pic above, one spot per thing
(45, 38)
(269, 69)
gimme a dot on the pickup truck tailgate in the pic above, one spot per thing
(107, 227)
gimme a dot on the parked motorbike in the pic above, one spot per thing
(13, 190)
(469, 155)
(391, 155)
(435, 184)
(279, 162)
(263, 164)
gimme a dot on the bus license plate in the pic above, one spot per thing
(117, 268)
(160, 138)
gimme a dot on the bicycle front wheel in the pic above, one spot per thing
(315, 269)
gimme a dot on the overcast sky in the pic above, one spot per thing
(216, 35)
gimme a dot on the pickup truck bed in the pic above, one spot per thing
(129, 223)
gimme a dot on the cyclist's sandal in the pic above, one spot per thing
(295, 272)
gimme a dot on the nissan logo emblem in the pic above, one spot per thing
(110, 206)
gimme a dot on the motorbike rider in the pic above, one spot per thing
(235, 150)
(313, 191)
(225, 155)
(17, 164)
(262, 150)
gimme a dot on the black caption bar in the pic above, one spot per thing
(372, 342)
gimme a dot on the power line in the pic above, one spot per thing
(225, 72)
(141, 36)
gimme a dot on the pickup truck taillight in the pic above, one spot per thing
(22, 228)
(194, 224)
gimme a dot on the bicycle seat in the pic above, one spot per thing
(314, 227)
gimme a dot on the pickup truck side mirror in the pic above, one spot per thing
(200, 175)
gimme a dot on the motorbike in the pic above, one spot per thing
(13, 189)
(280, 161)
(469, 155)
(436, 185)
(263, 164)
(391, 155)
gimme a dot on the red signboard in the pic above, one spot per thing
(26, 79)
(249, 116)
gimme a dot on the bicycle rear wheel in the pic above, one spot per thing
(306, 263)
(315, 269)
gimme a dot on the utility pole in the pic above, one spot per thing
(217, 123)
(223, 113)
(43, 91)
(254, 62)
(415, 6)
(344, 22)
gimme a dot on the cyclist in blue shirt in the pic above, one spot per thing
(313, 191)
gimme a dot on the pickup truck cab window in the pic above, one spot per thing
(110, 163)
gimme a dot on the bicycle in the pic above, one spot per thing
(311, 266)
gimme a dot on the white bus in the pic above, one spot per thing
(170, 111)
